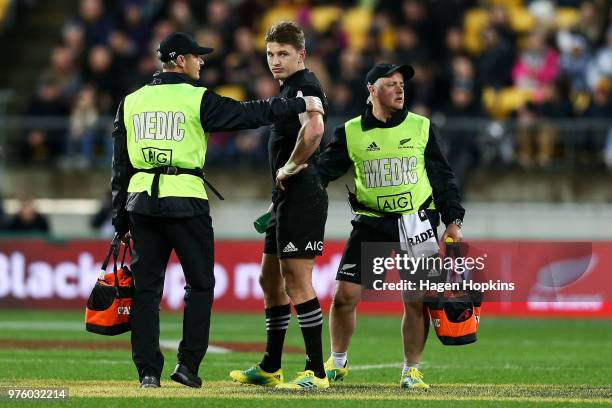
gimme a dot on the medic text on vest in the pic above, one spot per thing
(159, 126)
(392, 171)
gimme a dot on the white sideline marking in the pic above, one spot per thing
(63, 361)
(96, 361)
(506, 366)
(63, 326)
(173, 345)
(376, 366)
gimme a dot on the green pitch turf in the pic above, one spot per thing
(516, 362)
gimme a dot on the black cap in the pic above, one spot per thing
(385, 70)
(180, 44)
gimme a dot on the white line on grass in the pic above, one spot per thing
(376, 366)
(64, 361)
(173, 345)
(63, 326)
(426, 365)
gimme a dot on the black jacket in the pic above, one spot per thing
(217, 113)
(335, 162)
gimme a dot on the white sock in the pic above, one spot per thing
(339, 359)
(408, 366)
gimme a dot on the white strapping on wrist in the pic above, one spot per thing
(290, 168)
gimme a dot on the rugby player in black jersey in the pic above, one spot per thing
(294, 236)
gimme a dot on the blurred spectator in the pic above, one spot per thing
(27, 219)
(591, 23)
(600, 111)
(342, 103)
(125, 57)
(495, 62)
(463, 71)
(408, 48)
(84, 132)
(462, 146)
(96, 24)
(161, 30)
(553, 104)
(554, 100)
(383, 35)
(455, 48)
(535, 140)
(73, 38)
(244, 63)
(544, 11)
(415, 14)
(146, 68)
(245, 10)
(351, 73)
(213, 73)
(44, 145)
(219, 18)
(537, 65)
(181, 17)
(454, 42)
(420, 90)
(136, 26)
(331, 44)
(601, 104)
(601, 65)
(63, 72)
(574, 59)
(101, 74)
(499, 20)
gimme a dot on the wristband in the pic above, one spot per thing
(290, 168)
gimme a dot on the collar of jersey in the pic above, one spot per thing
(165, 78)
(295, 76)
(369, 121)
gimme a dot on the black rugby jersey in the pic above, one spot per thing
(285, 130)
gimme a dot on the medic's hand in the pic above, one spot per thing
(313, 103)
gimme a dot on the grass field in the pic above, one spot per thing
(515, 362)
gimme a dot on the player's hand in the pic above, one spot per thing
(288, 170)
(453, 231)
(313, 103)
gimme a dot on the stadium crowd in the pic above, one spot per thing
(537, 61)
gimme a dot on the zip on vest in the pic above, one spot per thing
(175, 171)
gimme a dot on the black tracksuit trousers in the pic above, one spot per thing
(154, 239)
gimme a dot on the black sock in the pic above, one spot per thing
(311, 323)
(277, 321)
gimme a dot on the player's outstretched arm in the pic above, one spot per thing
(220, 113)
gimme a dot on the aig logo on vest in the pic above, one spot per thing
(395, 203)
(159, 126)
(153, 155)
(388, 172)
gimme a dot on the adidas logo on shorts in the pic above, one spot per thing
(290, 248)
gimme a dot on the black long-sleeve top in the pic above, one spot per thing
(334, 162)
(217, 113)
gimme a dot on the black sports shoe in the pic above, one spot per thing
(148, 381)
(183, 375)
